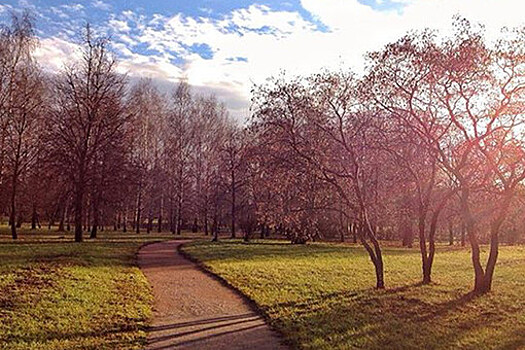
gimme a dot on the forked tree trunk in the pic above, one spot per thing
(483, 278)
(373, 250)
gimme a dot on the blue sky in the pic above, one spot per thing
(225, 47)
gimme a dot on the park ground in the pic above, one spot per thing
(320, 296)
(55, 294)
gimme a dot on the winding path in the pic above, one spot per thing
(195, 311)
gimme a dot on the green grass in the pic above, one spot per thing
(320, 296)
(56, 294)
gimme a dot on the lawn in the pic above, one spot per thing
(56, 294)
(320, 296)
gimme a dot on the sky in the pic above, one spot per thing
(225, 47)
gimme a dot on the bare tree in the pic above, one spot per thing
(21, 105)
(88, 113)
(464, 100)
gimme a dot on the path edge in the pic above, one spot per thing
(249, 301)
(147, 324)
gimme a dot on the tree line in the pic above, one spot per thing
(425, 146)
(85, 149)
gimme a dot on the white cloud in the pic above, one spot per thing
(206, 10)
(101, 5)
(57, 11)
(156, 68)
(269, 40)
(73, 7)
(55, 52)
(119, 26)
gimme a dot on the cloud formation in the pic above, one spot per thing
(229, 52)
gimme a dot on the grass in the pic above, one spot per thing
(56, 294)
(320, 296)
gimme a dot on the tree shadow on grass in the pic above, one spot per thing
(399, 318)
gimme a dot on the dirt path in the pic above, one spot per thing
(195, 311)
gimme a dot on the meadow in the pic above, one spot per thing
(321, 295)
(56, 294)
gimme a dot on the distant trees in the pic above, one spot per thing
(108, 154)
(233, 168)
(147, 109)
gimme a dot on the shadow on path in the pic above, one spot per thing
(193, 310)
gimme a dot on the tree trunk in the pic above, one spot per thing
(89, 207)
(159, 228)
(463, 229)
(179, 217)
(473, 240)
(233, 204)
(125, 220)
(171, 216)
(62, 219)
(426, 266)
(150, 222)
(486, 285)
(215, 230)
(68, 226)
(139, 209)
(94, 227)
(33, 217)
(195, 227)
(14, 234)
(63, 216)
(79, 198)
(407, 233)
(374, 251)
